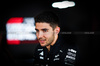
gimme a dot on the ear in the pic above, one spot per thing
(57, 30)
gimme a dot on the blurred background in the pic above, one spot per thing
(79, 22)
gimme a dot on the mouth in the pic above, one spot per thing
(42, 41)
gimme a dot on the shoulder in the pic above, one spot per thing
(65, 45)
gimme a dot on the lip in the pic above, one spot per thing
(42, 41)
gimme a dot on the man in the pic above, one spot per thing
(51, 50)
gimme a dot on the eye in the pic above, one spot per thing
(45, 30)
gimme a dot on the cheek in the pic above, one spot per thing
(36, 35)
(49, 36)
(46, 36)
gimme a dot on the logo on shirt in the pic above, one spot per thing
(70, 57)
(56, 57)
(41, 55)
(40, 49)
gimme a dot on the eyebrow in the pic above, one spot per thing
(36, 29)
(42, 29)
(45, 29)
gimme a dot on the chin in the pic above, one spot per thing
(43, 45)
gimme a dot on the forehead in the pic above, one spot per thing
(42, 25)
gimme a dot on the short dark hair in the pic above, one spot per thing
(48, 17)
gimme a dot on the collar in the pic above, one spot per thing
(55, 48)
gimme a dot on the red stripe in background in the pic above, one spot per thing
(29, 42)
(15, 20)
(11, 21)
(13, 42)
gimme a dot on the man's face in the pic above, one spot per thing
(45, 34)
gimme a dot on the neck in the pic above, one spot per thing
(48, 47)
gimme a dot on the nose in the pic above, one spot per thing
(40, 34)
